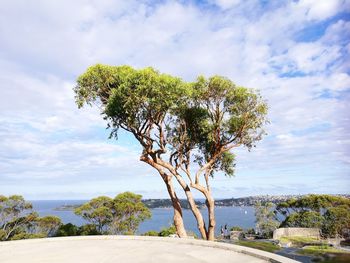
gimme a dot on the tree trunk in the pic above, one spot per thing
(211, 216)
(196, 212)
(178, 219)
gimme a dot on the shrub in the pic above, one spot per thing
(165, 232)
(236, 228)
(151, 233)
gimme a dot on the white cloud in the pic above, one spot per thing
(43, 51)
(321, 9)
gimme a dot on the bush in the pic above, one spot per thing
(87, 230)
(165, 232)
(236, 228)
(24, 235)
(151, 233)
(67, 230)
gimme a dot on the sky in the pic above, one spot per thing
(295, 52)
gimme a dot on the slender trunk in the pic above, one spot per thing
(211, 217)
(196, 212)
(178, 219)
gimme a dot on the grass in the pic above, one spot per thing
(266, 246)
(300, 241)
(336, 258)
(326, 254)
(321, 250)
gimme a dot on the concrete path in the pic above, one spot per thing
(130, 249)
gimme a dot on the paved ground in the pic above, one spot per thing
(120, 249)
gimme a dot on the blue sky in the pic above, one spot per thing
(295, 52)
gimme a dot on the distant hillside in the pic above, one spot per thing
(242, 201)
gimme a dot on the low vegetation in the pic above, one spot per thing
(301, 241)
(165, 232)
(320, 250)
(266, 246)
(326, 254)
(329, 213)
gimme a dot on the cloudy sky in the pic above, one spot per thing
(295, 52)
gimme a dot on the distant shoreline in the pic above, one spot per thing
(229, 202)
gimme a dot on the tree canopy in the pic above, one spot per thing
(121, 215)
(329, 213)
(18, 220)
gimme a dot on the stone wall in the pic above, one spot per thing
(296, 231)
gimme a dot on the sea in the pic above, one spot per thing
(242, 216)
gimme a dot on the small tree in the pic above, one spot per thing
(98, 212)
(16, 216)
(179, 125)
(121, 215)
(128, 213)
(265, 219)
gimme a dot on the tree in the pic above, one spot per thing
(98, 212)
(329, 213)
(265, 219)
(16, 216)
(179, 126)
(128, 212)
(337, 221)
(121, 215)
(48, 225)
(310, 219)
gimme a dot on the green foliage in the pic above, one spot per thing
(301, 241)
(151, 233)
(337, 220)
(319, 250)
(121, 215)
(265, 246)
(97, 211)
(188, 122)
(2, 234)
(67, 230)
(265, 219)
(207, 115)
(165, 232)
(329, 213)
(16, 216)
(129, 212)
(24, 235)
(130, 97)
(236, 228)
(87, 230)
(309, 219)
(48, 225)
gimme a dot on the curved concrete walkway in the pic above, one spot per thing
(130, 249)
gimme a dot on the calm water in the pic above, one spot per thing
(161, 217)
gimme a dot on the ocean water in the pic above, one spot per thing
(161, 217)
